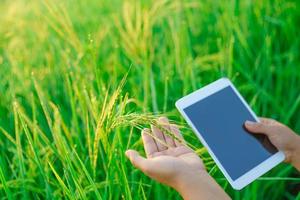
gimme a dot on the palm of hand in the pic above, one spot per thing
(174, 162)
(167, 159)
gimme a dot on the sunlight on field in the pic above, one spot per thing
(79, 79)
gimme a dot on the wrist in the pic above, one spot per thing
(190, 180)
(295, 157)
(200, 185)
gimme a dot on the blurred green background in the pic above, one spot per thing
(78, 79)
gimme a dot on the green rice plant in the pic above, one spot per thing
(80, 79)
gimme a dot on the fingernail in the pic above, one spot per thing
(153, 127)
(127, 153)
(249, 123)
(147, 130)
(163, 119)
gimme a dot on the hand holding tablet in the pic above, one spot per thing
(242, 145)
(217, 114)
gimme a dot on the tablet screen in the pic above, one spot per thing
(220, 119)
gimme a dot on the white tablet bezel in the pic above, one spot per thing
(206, 91)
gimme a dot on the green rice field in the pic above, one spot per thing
(80, 79)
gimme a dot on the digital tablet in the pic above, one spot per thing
(217, 113)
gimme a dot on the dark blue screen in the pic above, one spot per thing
(220, 119)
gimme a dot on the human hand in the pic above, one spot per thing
(281, 136)
(173, 163)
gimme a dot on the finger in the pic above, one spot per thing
(159, 138)
(137, 160)
(164, 122)
(149, 143)
(267, 121)
(179, 141)
(259, 127)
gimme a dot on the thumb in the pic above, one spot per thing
(258, 127)
(137, 160)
